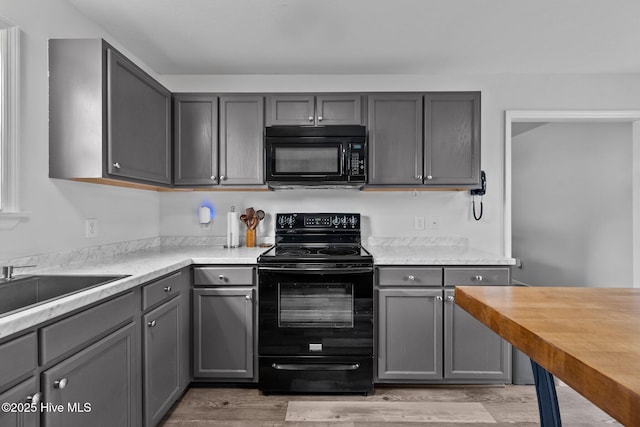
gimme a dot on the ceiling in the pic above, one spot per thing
(375, 36)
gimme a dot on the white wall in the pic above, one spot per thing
(499, 93)
(572, 205)
(58, 208)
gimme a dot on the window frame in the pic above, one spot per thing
(9, 118)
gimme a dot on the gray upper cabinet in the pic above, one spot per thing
(315, 110)
(195, 135)
(108, 119)
(218, 140)
(435, 146)
(452, 138)
(241, 140)
(395, 138)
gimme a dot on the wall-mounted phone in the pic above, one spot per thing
(479, 192)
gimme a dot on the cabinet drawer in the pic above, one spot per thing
(207, 276)
(18, 358)
(476, 276)
(73, 332)
(409, 276)
(163, 289)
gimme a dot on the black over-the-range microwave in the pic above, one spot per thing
(321, 156)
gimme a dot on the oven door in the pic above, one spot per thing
(309, 160)
(315, 312)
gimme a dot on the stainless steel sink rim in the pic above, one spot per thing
(23, 292)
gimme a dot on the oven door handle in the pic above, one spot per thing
(317, 269)
(316, 366)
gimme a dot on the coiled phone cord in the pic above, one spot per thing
(473, 201)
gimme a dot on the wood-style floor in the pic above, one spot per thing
(412, 406)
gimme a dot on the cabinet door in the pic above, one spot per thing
(395, 139)
(161, 353)
(195, 140)
(452, 138)
(241, 140)
(223, 333)
(97, 386)
(139, 121)
(472, 351)
(338, 109)
(291, 110)
(26, 393)
(410, 334)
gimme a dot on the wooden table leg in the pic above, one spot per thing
(547, 398)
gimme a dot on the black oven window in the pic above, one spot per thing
(315, 305)
(307, 160)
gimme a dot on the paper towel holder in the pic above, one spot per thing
(233, 230)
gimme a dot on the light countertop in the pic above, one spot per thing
(147, 264)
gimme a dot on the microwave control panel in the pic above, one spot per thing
(357, 164)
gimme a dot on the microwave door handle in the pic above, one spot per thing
(343, 166)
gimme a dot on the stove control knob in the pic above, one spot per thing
(354, 220)
(344, 221)
(336, 221)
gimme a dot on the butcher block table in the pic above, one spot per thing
(587, 337)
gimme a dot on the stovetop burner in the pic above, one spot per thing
(337, 251)
(317, 238)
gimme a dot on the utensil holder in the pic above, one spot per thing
(251, 238)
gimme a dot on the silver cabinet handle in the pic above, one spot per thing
(411, 278)
(478, 278)
(438, 298)
(214, 178)
(429, 177)
(222, 278)
(116, 165)
(310, 118)
(247, 297)
(34, 399)
(223, 178)
(167, 289)
(451, 298)
(419, 177)
(319, 118)
(61, 383)
(152, 324)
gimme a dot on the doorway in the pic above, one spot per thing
(572, 197)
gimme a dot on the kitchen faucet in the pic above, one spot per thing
(7, 270)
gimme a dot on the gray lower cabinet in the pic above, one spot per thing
(96, 386)
(223, 333)
(316, 110)
(165, 343)
(25, 393)
(161, 349)
(424, 337)
(108, 119)
(472, 351)
(410, 334)
(430, 139)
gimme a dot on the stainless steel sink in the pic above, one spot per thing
(27, 291)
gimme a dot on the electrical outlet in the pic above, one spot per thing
(434, 222)
(418, 223)
(90, 228)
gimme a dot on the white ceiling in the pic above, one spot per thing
(375, 36)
